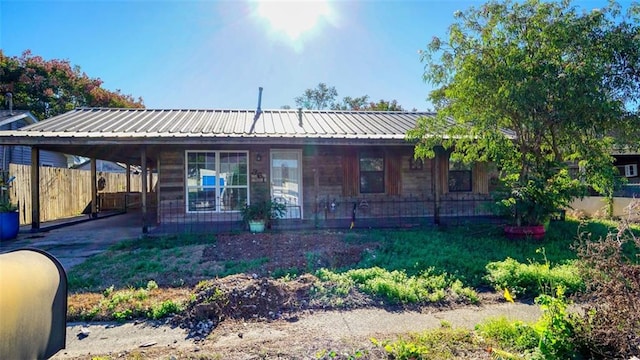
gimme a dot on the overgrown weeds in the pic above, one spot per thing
(442, 343)
(395, 287)
(610, 327)
(533, 279)
(146, 302)
(465, 252)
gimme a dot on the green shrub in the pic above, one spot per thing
(551, 337)
(396, 286)
(555, 327)
(510, 335)
(165, 308)
(534, 278)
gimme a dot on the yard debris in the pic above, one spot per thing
(242, 297)
(84, 332)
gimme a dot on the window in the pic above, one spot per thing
(217, 181)
(371, 173)
(459, 177)
(629, 170)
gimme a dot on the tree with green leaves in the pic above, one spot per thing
(383, 105)
(52, 87)
(320, 98)
(323, 97)
(531, 86)
(349, 103)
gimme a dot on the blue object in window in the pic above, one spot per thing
(210, 180)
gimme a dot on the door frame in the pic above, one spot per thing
(298, 153)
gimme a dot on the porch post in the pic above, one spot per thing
(150, 179)
(35, 189)
(128, 187)
(143, 187)
(94, 189)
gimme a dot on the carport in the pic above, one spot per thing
(73, 136)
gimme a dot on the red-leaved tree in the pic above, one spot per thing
(51, 87)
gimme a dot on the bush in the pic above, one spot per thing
(556, 327)
(531, 280)
(510, 335)
(551, 337)
(397, 287)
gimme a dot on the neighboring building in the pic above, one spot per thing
(324, 165)
(103, 166)
(628, 164)
(16, 119)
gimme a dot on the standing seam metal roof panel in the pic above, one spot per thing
(65, 124)
(326, 124)
(347, 127)
(279, 127)
(196, 126)
(119, 123)
(134, 125)
(76, 122)
(180, 118)
(212, 123)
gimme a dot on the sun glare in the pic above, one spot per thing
(293, 18)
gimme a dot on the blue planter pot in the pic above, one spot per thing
(9, 225)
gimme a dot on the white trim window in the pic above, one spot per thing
(216, 181)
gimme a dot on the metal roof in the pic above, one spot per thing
(9, 116)
(180, 125)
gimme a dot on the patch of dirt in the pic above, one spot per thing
(257, 296)
(291, 251)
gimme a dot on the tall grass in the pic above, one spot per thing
(395, 287)
(464, 252)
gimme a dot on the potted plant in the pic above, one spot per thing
(9, 217)
(259, 214)
(530, 204)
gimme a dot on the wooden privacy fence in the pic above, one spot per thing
(63, 192)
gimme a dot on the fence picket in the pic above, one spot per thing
(63, 192)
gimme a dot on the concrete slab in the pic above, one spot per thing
(73, 244)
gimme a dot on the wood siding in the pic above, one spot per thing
(330, 175)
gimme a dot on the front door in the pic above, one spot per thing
(286, 180)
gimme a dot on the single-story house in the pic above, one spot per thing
(628, 164)
(18, 154)
(328, 167)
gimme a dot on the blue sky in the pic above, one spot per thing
(215, 54)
